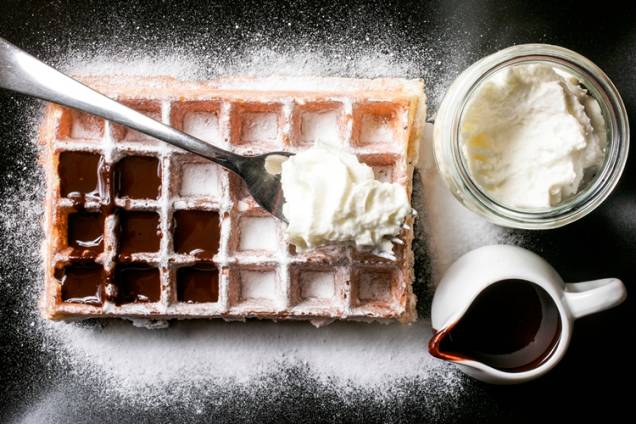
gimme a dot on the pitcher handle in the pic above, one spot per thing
(594, 296)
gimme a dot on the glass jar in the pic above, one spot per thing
(453, 165)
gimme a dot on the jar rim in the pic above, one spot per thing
(600, 88)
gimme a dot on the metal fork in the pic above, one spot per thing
(23, 73)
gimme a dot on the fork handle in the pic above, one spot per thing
(23, 73)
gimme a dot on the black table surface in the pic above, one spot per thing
(594, 378)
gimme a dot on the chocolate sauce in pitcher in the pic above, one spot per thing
(512, 325)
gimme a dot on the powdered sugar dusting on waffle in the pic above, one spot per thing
(256, 273)
(200, 180)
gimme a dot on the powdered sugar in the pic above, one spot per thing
(258, 233)
(203, 125)
(259, 127)
(317, 285)
(132, 359)
(451, 229)
(141, 366)
(200, 179)
(375, 129)
(258, 286)
(319, 126)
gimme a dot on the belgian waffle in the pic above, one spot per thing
(138, 229)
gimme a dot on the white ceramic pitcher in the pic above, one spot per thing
(478, 269)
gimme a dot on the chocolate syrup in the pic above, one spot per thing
(82, 283)
(196, 232)
(513, 325)
(137, 283)
(139, 232)
(86, 232)
(198, 284)
(78, 173)
(138, 177)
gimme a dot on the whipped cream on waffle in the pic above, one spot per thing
(330, 197)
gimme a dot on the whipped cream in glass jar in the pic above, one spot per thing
(534, 136)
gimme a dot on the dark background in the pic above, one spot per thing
(594, 379)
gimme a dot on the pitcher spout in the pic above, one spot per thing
(437, 343)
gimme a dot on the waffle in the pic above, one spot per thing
(139, 229)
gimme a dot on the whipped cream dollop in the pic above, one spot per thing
(533, 136)
(330, 197)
